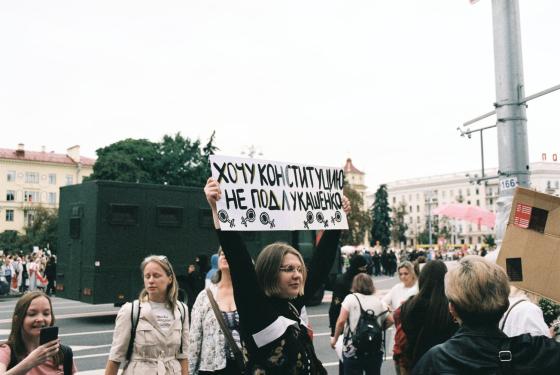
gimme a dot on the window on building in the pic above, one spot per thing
(468, 202)
(10, 195)
(418, 219)
(548, 184)
(410, 219)
(409, 208)
(28, 217)
(11, 176)
(478, 202)
(557, 184)
(69, 179)
(31, 196)
(52, 179)
(9, 215)
(468, 192)
(31, 177)
(491, 201)
(394, 200)
(477, 191)
(417, 208)
(52, 198)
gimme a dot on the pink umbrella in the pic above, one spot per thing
(467, 212)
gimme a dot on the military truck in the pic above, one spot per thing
(107, 228)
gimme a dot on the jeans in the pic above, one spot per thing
(359, 366)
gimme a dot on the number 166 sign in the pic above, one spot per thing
(508, 183)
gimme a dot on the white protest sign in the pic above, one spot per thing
(262, 195)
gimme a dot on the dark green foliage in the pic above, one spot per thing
(381, 213)
(551, 310)
(42, 233)
(490, 241)
(175, 160)
(398, 233)
(358, 220)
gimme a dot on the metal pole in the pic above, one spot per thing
(430, 219)
(482, 152)
(513, 153)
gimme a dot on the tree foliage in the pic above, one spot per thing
(42, 233)
(176, 160)
(381, 213)
(359, 220)
(399, 228)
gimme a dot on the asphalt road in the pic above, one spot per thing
(88, 329)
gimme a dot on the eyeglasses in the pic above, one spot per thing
(291, 269)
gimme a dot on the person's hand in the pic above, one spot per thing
(333, 342)
(212, 192)
(345, 205)
(42, 353)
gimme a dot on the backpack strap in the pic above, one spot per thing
(183, 313)
(68, 358)
(134, 318)
(507, 313)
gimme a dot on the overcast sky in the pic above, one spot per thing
(310, 81)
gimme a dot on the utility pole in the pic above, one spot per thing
(513, 150)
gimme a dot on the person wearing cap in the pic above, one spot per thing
(341, 289)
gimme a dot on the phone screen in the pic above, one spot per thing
(48, 334)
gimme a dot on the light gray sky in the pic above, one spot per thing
(310, 81)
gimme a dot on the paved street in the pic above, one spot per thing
(88, 329)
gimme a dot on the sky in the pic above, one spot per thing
(386, 83)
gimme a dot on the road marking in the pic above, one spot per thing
(78, 315)
(77, 348)
(57, 308)
(91, 356)
(317, 315)
(71, 334)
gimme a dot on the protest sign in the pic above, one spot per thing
(266, 195)
(530, 251)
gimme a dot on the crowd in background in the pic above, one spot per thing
(21, 272)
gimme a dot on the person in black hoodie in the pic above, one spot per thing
(50, 273)
(341, 289)
(270, 296)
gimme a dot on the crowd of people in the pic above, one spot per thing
(21, 272)
(249, 317)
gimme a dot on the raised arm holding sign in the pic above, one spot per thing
(270, 294)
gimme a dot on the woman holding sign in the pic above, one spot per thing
(270, 297)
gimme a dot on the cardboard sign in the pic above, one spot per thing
(265, 195)
(530, 252)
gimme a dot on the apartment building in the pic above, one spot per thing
(421, 195)
(29, 179)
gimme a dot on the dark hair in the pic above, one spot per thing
(15, 340)
(425, 317)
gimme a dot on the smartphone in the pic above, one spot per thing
(48, 334)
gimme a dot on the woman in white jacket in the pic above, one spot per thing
(209, 351)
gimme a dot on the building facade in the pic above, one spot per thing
(356, 180)
(421, 195)
(31, 179)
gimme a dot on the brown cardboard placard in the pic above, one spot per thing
(530, 251)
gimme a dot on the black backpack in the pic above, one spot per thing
(368, 336)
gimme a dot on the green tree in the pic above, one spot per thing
(42, 231)
(398, 231)
(129, 160)
(381, 224)
(424, 237)
(183, 162)
(10, 240)
(489, 240)
(359, 220)
(176, 160)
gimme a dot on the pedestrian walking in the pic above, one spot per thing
(151, 334)
(50, 274)
(361, 299)
(22, 353)
(270, 297)
(214, 339)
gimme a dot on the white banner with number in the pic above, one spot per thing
(267, 195)
(508, 183)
